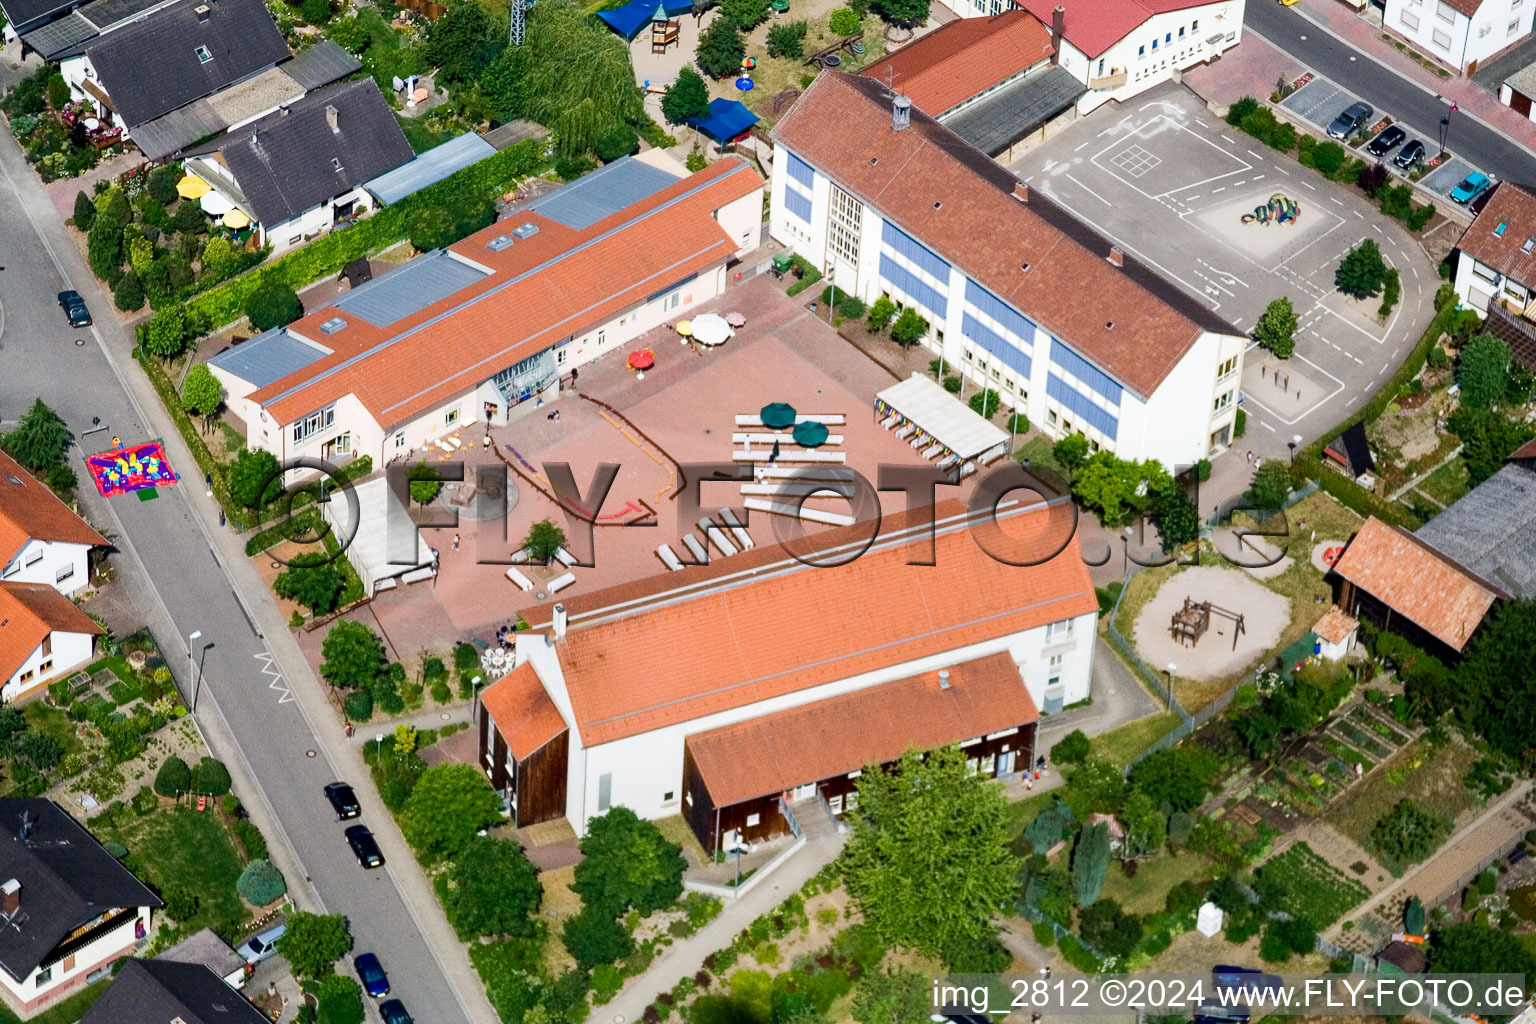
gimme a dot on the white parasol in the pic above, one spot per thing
(711, 329)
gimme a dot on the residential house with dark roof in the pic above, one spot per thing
(300, 170)
(481, 331)
(678, 695)
(1496, 268)
(41, 540)
(69, 908)
(165, 991)
(1461, 34)
(1019, 294)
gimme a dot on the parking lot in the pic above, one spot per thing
(1320, 101)
(1171, 185)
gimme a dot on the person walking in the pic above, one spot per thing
(455, 542)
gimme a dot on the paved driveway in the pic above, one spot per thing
(1172, 185)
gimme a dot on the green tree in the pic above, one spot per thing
(189, 218)
(1146, 825)
(166, 333)
(1179, 778)
(720, 49)
(1483, 370)
(1413, 916)
(273, 305)
(985, 403)
(928, 859)
(881, 312)
(1097, 786)
(254, 478)
(1284, 939)
(844, 22)
(899, 997)
(104, 247)
(1071, 748)
(787, 40)
(39, 439)
(313, 581)
(261, 884)
(744, 14)
(1178, 520)
(1276, 329)
(492, 889)
(909, 328)
(162, 183)
(218, 259)
(1090, 863)
(1070, 453)
(686, 98)
(405, 738)
(1408, 833)
(85, 212)
(212, 777)
(1362, 271)
(626, 863)
(1107, 487)
(339, 997)
(351, 655)
(316, 12)
(1050, 827)
(544, 540)
(128, 295)
(1488, 439)
(463, 42)
(314, 942)
(1495, 679)
(1110, 929)
(201, 393)
(174, 777)
(1271, 485)
(450, 803)
(425, 485)
(902, 12)
(592, 936)
(1475, 949)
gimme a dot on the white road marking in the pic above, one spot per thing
(1308, 184)
(1080, 145)
(1215, 190)
(1266, 426)
(1090, 191)
(269, 668)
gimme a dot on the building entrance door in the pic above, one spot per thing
(805, 792)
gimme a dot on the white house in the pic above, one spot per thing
(41, 540)
(43, 636)
(1460, 33)
(70, 909)
(742, 699)
(466, 335)
(1019, 295)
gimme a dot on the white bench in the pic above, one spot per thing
(714, 532)
(457, 444)
(523, 582)
(387, 584)
(831, 488)
(737, 529)
(700, 555)
(445, 446)
(906, 431)
(791, 456)
(426, 572)
(932, 450)
(920, 440)
(560, 583)
(808, 472)
(949, 462)
(993, 457)
(889, 421)
(831, 419)
(669, 558)
(810, 515)
(566, 558)
(970, 467)
(522, 557)
(783, 439)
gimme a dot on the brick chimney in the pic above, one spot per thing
(1116, 256)
(901, 113)
(333, 119)
(10, 897)
(1021, 191)
(1058, 29)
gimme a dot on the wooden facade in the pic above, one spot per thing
(536, 788)
(761, 817)
(1367, 607)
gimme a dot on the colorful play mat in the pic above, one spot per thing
(124, 470)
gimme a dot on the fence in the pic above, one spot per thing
(1224, 511)
(1465, 880)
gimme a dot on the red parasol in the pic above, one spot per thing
(643, 359)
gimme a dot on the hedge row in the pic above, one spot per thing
(485, 179)
(166, 389)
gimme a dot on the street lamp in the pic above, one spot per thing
(832, 281)
(378, 747)
(1172, 668)
(474, 705)
(192, 672)
(1294, 441)
(1445, 126)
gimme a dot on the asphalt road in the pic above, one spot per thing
(167, 561)
(1387, 91)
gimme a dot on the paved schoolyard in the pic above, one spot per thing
(1171, 184)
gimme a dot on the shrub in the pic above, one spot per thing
(1328, 157)
(358, 707)
(615, 143)
(173, 778)
(976, 954)
(273, 305)
(212, 777)
(881, 312)
(1071, 748)
(985, 403)
(1391, 291)
(787, 40)
(720, 49)
(1240, 109)
(85, 212)
(594, 937)
(316, 12)
(128, 295)
(844, 22)
(909, 328)
(1373, 177)
(260, 883)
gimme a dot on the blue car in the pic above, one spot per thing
(393, 1012)
(1472, 186)
(371, 972)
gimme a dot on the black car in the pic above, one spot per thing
(1387, 141)
(1351, 121)
(393, 1012)
(343, 800)
(74, 308)
(1411, 156)
(364, 847)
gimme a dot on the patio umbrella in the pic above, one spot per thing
(778, 415)
(684, 327)
(192, 187)
(736, 319)
(711, 329)
(236, 219)
(810, 434)
(643, 359)
(215, 205)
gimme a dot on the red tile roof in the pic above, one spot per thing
(30, 511)
(1525, 451)
(1335, 626)
(1416, 582)
(951, 197)
(963, 58)
(1499, 235)
(783, 626)
(523, 713)
(28, 613)
(1093, 26)
(812, 742)
(545, 288)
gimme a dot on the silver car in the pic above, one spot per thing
(257, 948)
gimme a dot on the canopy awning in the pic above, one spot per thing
(628, 20)
(384, 542)
(921, 401)
(727, 119)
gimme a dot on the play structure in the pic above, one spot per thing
(135, 468)
(1191, 622)
(1279, 210)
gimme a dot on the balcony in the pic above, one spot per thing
(1113, 80)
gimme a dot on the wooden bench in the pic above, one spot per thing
(700, 554)
(791, 456)
(810, 515)
(523, 582)
(737, 529)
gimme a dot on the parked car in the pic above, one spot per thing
(74, 308)
(1351, 121)
(1476, 205)
(1387, 141)
(364, 847)
(262, 945)
(371, 972)
(1472, 186)
(343, 800)
(1411, 156)
(393, 1012)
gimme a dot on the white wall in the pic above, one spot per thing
(67, 651)
(63, 566)
(313, 221)
(1446, 34)
(85, 960)
(1148, 65)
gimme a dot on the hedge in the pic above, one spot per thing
(194, 439)
(486, 179)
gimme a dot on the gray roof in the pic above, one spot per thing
(409, 289)
(179, 129)
(292, 160)
(66, 878)
(602, 193)
(152, 67)
(21, 13)
(158, 991)
(208, 949)
(430, 167)
(1492, 530)
(268, 357)
(321, 64)
(1523, 81)
(513, 132)
(58, 37)
(1015, 110)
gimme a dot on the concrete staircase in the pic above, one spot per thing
(815, 821)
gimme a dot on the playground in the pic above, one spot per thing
(1172, 619)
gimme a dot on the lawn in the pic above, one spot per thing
(1122, 744)
(1312, 888)
(1326, 519)
(66, 1012)
(53, 723)
(1145, 893)
(1448, 483)
(421, 135)
(183, 848)
(1431, 776)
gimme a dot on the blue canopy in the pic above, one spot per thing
(628, 20)
(727, 119)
